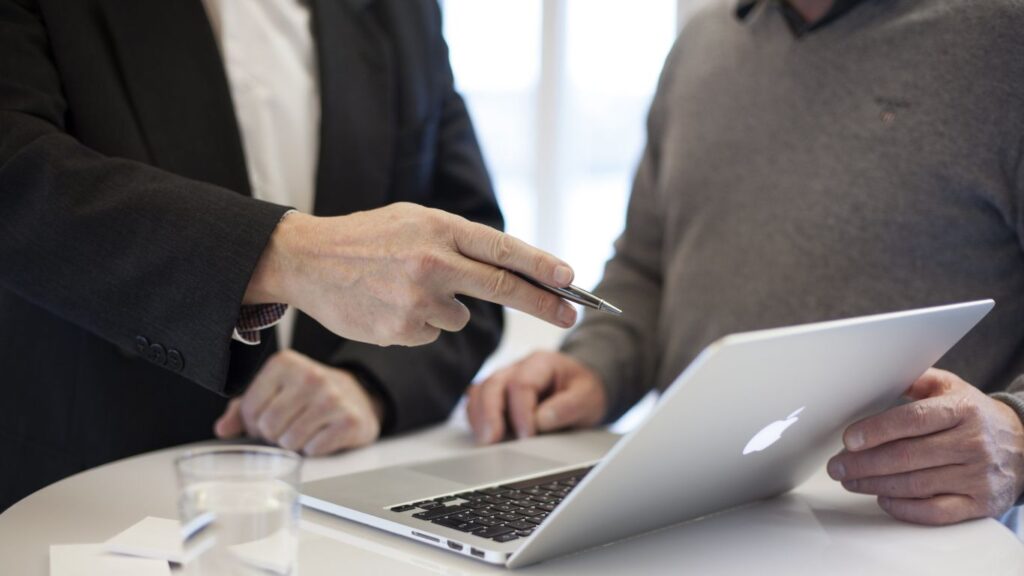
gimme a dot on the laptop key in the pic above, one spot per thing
(492, 531)
(471, 527)
(427, 504)
(506, 537)
(483, 513)
(488, 522)
(510, 517)
(515, 496)
(524, 533)
(449, 522)
(444, 499)
(520, 525)
(504, 508)
(403, 508)
(547, 507)
(531, 512)
(535, 521)
(438, 512)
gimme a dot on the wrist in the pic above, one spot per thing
(277, 267)
(1015, 427)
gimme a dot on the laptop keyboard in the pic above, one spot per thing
(500, 513)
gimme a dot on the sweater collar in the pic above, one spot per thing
(796, 22)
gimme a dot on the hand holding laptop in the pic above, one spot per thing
(543, 392)
(952, 454)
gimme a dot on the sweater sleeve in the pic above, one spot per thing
(622, 349)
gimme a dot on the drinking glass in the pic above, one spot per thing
(239, 510)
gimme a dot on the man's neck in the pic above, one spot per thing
(812, 10)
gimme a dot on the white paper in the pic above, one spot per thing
(94, 560)
(161, 539)
(152, 537)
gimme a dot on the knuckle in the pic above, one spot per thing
(918, 415)
(268, 426)
(917, 486)
(540, 264)
(422, 264)
(248, 411)
(502, 249)
(970, 409)
(904, 456)
(501, 283)
(568, 411)
(519, 386)
(313, 380)
(546, 304)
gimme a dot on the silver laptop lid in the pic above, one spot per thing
(753, 416)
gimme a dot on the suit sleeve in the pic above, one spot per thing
(622, 349)
(422, 385)
(150, 261)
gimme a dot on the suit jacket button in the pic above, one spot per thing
(157, 354)
(175, 361)
(141, 345)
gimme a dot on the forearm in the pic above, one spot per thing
(621, 349)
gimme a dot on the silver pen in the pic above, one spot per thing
(575, 294)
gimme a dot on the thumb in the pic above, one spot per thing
(230, 423)
(564, 409)
(932, 383)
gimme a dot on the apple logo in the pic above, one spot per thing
(771, 433)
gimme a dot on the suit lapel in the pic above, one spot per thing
(175, 78)
(357, 124)
(356, 128)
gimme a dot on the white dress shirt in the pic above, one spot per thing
(270, 61)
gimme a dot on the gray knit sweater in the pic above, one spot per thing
(871, 166)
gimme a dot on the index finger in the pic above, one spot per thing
(498, 285)
(485, 244)
(919, 418)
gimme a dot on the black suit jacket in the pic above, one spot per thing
(127, 234)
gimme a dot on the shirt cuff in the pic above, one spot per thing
(255, 318)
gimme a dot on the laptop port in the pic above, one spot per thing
(426, 537)
(454, 545)
(476, 552)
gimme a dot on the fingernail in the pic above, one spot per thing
(563, 275)
(566, 315)
(836, 470)
(855, 440)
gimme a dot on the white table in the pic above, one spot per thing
(817, 529)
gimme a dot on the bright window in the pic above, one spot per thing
(559, 91)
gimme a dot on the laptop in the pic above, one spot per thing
(753, 416)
